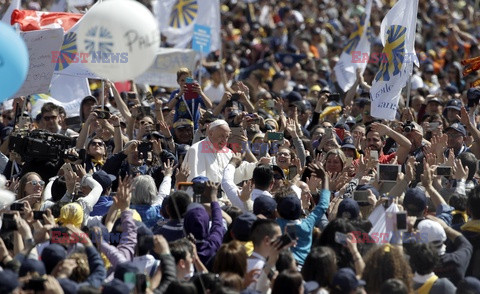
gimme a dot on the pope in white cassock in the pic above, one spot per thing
(210, 156)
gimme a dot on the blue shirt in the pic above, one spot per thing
(181, 110)
(102, 206)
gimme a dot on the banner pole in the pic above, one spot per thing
(102, 95)
(409, 86)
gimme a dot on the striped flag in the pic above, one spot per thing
(177, 18)
(352, 57)
(398, 38)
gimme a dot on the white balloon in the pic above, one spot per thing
(121, 38)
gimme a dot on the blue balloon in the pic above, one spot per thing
(14, 62)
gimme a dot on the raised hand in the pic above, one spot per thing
(124, 195)
(168, 168)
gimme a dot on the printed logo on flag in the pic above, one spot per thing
(99, 39)
(183, 13)
(370, 34)
(68, 51)
(355, 36)
(395, 51)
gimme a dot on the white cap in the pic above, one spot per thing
(431, 231)
(217, 123)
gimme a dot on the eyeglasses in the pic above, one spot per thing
(35, 182)
(48, 118)
(95, 143)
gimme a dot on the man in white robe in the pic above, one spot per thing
(210, 157)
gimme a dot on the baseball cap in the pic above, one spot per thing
(52, 255)
(290, 207)
(457, 127)
(348, 208)
(348, 143)
(8, 281)
(415, 199)
(183, 123)
(31, 265)
(264, 205)
(345, 280)
(104, 179)
(454, 104)
(432, 98)
(433, 232)
(116, 286)
(279, 170)
(315, 88)
(242, 226)
(293, 96)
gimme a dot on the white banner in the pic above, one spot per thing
(177, 18)
(67, 88)
(40, 46)
(356, 53)
(398, 37)
(72, 108)
(163, 71)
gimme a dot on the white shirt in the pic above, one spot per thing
(215, 93)
(257, 193)
(204, 160)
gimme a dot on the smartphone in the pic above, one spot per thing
(35, 284)
(374, 154)
(329, 132)
(38, 214)
(9, 225)
(103, 114)
(284, 240)
(402, 221)
(129, 278)
(18, 206)
(444, 171)
(61, 231)
(292, 172)
(334, 97)
(132, 96)
(68, 167)
(340, 133)
(361, 196)
(388, 172)
(291, 231)
(189, 93)
(144, 148)
(348, 162)
(270, 103)
(235, 97)
(141, 283)
(341, 238)
(275, 136)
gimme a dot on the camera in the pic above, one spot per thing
(42, 145)
(102, 114)
(408, 127)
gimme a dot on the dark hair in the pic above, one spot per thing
(327, 238)
(458, 201)
(288, 281)
(181, 287)
(369, 129)
(320, 266)
(473, 202)
(144, 244)
(393, 286)
(179, 250)
(262, 228)
(423, 257)
(262, 176)
(206, 282)
(178, 200)
(49, 107)
(285, 260)
(469, 159)
(231, 257)
(232, 281)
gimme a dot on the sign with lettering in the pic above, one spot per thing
(163, 71)
(40, 46)
(201, 39)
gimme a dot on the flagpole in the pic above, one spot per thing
(102, 94)
(409, 86)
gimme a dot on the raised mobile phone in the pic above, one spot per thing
(374, 154)
(361, 196)
(388, 172)
(189, 93)
(292, 172)
(402, 221)
(38, 214)
(17, 206)
(341, 238)
(275, 136)
(444, 171)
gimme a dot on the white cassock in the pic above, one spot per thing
(204, 160)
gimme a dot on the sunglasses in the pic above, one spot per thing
(96, 144)
(277, 177)
(35, 182)
(48, 118)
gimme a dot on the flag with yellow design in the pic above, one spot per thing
(357, 46)
(177, 18)
(397, 33)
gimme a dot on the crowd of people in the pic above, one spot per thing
(258, 174)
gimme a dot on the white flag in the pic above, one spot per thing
(69, 61)
(14, 4)
(398, 37)
(356, 53)
(177, 17)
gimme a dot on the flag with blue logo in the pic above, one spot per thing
(397, 33)
(177, 19)
(356, 53)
